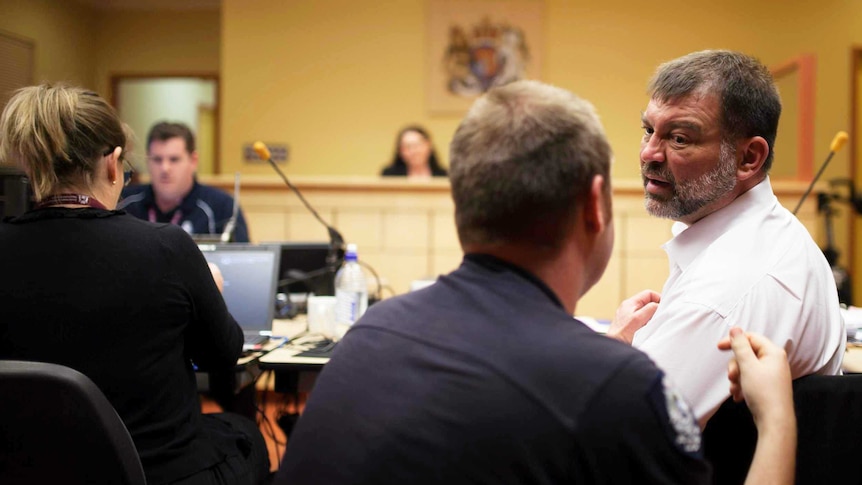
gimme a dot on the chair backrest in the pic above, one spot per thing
(829, 421)
(729, 439)
(56, 426)
(829, 416)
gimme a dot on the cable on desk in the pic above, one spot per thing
(377, 294)
(390, 289)
(309, 344)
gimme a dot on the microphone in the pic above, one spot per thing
(335, 239)
(854, 201)
(230, 226)
(297, 276)
(837, 143)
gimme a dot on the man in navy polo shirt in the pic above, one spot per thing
(174, 194)
(485, 377)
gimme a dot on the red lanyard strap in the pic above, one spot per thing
(66, 199)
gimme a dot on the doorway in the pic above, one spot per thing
(142, 101)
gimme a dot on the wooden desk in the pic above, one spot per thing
(286, 359)
(234, 391)
(292, 374)
(288, 328)
(852, 359)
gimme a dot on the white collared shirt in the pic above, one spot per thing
(751, 264)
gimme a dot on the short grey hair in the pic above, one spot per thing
(749, 100)
(522, 160)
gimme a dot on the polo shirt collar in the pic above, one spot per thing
(494, 263)
(187, 205)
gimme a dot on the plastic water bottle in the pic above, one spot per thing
(351, 292)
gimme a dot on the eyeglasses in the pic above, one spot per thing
(127, 173)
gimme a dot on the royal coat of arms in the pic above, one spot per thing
(474, 45)
(484, 55)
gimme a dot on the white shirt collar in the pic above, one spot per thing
(689, 241)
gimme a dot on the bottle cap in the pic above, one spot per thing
(350, 254)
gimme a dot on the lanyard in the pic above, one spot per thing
(66, 199)
(174, 220)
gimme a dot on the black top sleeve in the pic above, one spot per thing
(394, 171)
(214, 339)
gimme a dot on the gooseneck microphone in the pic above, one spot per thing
(230, 226)
(854, 201)
(839, 141)
(297, 276)
(335, 240)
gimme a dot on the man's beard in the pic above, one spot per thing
(689, 196)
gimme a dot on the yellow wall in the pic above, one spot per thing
(85, 46)
(64, 34)
(335, 79)
(146, 43)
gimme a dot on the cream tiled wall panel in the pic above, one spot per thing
(397, 268)
(406, 229)
(266, 225)
(445, 261)
(445, 235)
(643, 234)
(302, 226)
(363, 227)
(601, 300)
(643, 273)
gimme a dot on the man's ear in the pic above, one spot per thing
(194, 158)
(755, 150)
(595, 217)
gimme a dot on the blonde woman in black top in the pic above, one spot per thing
(130, 304)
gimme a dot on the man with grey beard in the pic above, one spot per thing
(484, 377)
(737, 257)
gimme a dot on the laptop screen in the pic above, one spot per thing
(250, 276)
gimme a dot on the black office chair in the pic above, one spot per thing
(729, 439)
(829, 420)
(829, 416)
(56, 426)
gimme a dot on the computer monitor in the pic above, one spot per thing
(16, 195)
(305, 267)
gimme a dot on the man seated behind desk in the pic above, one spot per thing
(485, 377)
(737, 258)
(174, 194)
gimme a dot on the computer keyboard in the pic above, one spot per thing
(254, 342)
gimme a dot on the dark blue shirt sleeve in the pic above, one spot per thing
(638, 430)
